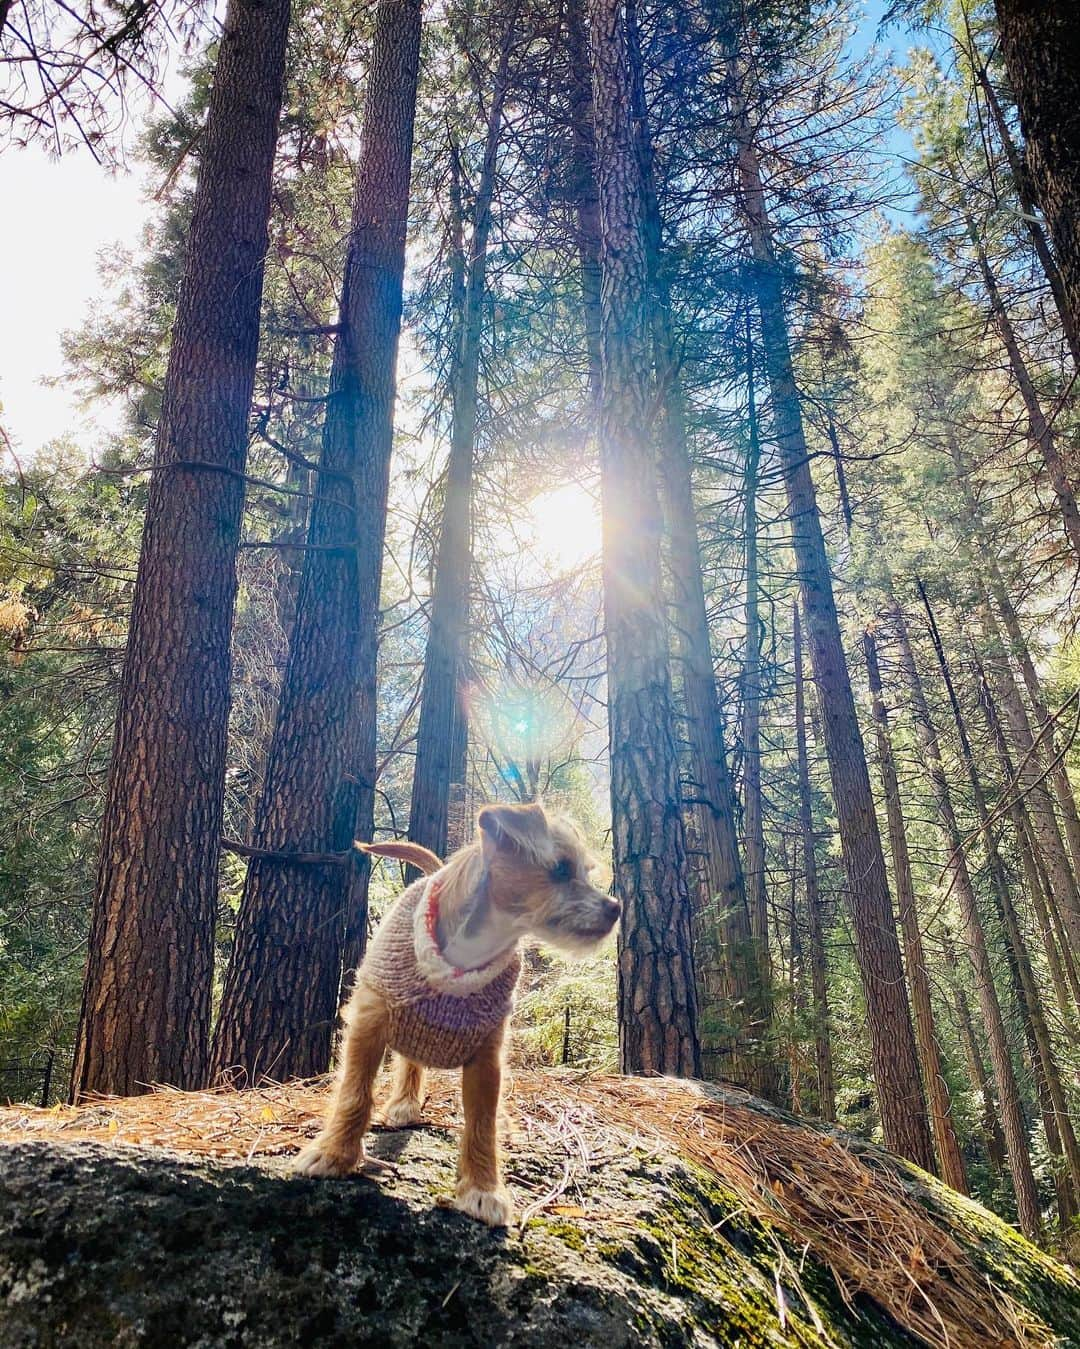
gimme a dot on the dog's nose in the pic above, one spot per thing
(612, 909)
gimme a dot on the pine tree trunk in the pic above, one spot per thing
(281, 992)
(819, 986)
(442, 736)
(753, 815)
(993, 1138)
(1060, 1134)
(1026, 197)
(1059, 774)
(656, 997)
(1040, 39)
(146, 999)
(877, 948)
(941, 1116)
(1008, 1091)
(724, 935)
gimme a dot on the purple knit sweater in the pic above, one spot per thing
(439, 1015)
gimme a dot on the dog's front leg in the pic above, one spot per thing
(340, 1145)
(480, 1190)
(404, 1106)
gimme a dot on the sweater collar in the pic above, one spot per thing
(431, 962)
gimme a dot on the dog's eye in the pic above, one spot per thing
(562, 871)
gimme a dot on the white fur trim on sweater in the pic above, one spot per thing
(430, 961)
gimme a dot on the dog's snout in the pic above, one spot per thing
(612, 909)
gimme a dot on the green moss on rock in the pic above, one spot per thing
(138, 1247)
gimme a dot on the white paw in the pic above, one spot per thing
(402, 1114)
(494, 1207)
(317, 1159)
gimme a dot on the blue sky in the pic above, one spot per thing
(59, 215)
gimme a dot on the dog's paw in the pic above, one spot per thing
(402, 1114)
(318, 1159)
(494, 1207)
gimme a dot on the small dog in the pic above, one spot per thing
(437, 986)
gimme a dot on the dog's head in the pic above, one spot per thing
(537, 868)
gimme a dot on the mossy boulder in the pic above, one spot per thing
(108, 1245)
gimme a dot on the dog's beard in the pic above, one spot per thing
(577, 933)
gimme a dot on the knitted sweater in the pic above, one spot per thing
(439, 1015)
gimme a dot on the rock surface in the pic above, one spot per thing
(103, 1245)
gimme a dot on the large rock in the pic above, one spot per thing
(103, 1245)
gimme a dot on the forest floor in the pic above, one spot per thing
(767, 1228)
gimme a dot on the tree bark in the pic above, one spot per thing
(819, 985)
(1021, 177)
(656, 996)
(1060, 1136)
(1008, 1091)
(877, 948)
(947, 1146)
(441, 742)
(753, 815)
(993, 1138)
(1059, 775)
(746, 1057)
(281, 992)
(1040, 39)
(146, 1000)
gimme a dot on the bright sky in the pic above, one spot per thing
(55, 218)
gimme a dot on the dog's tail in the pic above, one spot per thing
(422, 858)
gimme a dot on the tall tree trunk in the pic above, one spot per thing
(1021, 177)
(1060, 1136)
(1040, 39)
(656, 998)
(1041, 433)
(1039, 804)
(993, 1138)
(753, 815)
(819, 986)
(1032, 770)
(146, 999)
(941, 1115)
(441, 741)
(1008, 1091)
(724, 922)
(877, 948)
(1059, 774)
(281, 992)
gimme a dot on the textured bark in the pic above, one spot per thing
(281, 991)
(1042, 436)
(826, 1083)
(753, 814)
(442, 736)
(877, 948)
(1039, 40)
(1022, 184)
(656, 998)
(946, 1144)
(731, 962)
(146, 1000)
(1008, 1091)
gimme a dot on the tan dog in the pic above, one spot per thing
(438, 980)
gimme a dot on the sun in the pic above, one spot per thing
(562, 527)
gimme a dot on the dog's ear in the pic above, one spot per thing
(519, 828)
